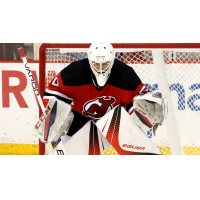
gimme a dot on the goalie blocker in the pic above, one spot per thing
(150, 110)
(54, 122)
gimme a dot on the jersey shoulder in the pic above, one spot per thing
(123, 76)
(77, 73)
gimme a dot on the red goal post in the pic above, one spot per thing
(149, 60)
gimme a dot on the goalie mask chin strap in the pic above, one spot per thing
(94, 80)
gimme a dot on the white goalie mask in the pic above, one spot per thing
(101, 58)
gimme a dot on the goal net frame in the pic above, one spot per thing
(159, 64)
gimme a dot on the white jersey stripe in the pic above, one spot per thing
(144, 90)
(49, 97)
(58, 93)
(52, 97)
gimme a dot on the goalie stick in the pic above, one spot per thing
(35, 88)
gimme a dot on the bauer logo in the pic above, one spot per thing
(133, 147)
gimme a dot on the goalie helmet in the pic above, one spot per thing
(101, 58)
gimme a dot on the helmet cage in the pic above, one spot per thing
(100, 73)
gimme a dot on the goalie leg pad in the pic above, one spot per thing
(55, 121)
(58, 151)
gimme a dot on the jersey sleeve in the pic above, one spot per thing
(130, 82)
(56, 90)
(142, 89)
(125, 78)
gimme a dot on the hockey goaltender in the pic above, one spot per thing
(88, 89)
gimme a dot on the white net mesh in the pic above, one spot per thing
(183, 72)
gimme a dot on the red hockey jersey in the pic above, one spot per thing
(76, 85)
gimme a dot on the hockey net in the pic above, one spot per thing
(182, 69)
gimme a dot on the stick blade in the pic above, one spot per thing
(21, 52)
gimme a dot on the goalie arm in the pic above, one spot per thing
(143, 90)
(55, 89)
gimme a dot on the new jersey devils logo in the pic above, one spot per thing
(98, 107)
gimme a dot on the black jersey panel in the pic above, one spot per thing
(77, 73)
(123, 76)
(78, 122)
(129, 106)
